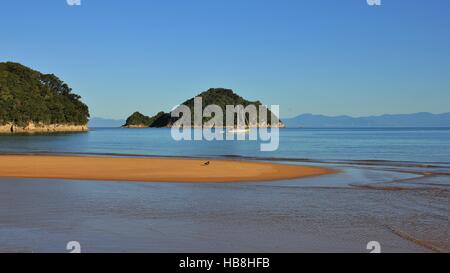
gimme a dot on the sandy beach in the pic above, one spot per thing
(149, 169)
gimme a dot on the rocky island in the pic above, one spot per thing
(33, 102)
(218, 96)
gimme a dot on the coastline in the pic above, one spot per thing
(134, 126)
(141, 126)
(31, 128)
(150, 169)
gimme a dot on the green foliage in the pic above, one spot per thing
(161, 120)
(223, 97)
(138, 119)
(218, 96)
(30, 96)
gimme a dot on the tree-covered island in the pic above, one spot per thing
(31, 101)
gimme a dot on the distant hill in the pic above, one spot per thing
(104, 122)
(33, 101)
(218, 96)
(403, 120)
(137, 120)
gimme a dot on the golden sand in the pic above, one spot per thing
(149, 169)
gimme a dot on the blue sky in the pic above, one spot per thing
(309, 56)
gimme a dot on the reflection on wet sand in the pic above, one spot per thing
(430, 181)
(403, 205)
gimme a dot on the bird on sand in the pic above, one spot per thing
(206, 163)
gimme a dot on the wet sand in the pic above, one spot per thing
(149, 169)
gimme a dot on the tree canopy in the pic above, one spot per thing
(138, 119)
(218, 96)
(30, 96)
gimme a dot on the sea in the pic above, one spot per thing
(392, 187)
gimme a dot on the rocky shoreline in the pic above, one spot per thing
(31, 127)
(135, 126)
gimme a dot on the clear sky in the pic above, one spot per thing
(309, 56)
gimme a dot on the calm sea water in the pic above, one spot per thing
(415, 144)
(393, 187)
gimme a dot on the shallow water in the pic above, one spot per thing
(414, 144)
(401, 199)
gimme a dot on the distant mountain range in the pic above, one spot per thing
(105, 122)
(404, 120)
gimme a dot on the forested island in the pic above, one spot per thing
(31, 101)
(218, 96)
